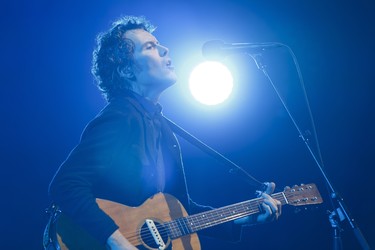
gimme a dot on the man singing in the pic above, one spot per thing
(128, 153)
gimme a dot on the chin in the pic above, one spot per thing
(170, 83)
(167, 81)
(171, 80)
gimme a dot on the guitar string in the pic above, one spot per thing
(176, 229)
(202, 217)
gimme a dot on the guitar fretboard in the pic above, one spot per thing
(187, 225)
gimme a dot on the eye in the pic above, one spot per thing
(150, 46)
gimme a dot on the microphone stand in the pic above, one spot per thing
(340, 212)
(234, 168)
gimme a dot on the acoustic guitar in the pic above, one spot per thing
(161, 222)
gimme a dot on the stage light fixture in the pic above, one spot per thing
(211, 83)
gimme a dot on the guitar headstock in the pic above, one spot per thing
(305, 194)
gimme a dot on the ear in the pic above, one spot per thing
(126, 72)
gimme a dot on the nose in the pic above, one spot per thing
(163, 51)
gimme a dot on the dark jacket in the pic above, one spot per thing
(115, 160)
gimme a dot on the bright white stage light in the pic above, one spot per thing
(211, 83)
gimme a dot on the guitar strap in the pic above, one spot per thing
(234, 168)
(50, 235)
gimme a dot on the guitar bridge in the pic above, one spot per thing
(155, 234)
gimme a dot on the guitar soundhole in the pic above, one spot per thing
(149, 241)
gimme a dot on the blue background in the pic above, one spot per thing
(48, 95)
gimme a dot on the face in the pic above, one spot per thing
(153, 68)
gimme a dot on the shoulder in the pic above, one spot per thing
(120, 115)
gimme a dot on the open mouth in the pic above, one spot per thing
(169, 64)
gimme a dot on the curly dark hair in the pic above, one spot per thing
(114, 53)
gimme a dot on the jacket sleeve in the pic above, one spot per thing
(73, 186)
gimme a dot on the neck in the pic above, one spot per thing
(152, 95)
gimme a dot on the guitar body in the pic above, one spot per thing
(131, 220)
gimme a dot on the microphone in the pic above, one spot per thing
(217, 49)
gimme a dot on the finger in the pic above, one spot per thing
(270, 187)
(279, 206)
(267, 211)
(272, 203)
(267, 214)
(275, 205)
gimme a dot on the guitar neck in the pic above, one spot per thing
(194, 223)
